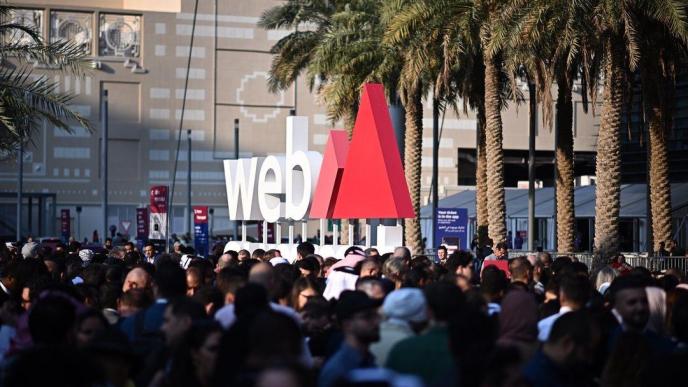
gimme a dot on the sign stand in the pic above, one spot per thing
(243, 231)
(351, 234)
(291, 231)
(265, 232)
(323, 231)
(278, 233)
(304, 231)
(368, 233)
(335, 233)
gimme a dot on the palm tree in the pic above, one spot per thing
(551, 35)
(26, 100)
(294, 53)
(345, 52)
(354, 49)
(617, 25)
(450, 30)
(662, 54)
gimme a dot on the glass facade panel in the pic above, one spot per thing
(32, 18)
(120, 35)
(76, 27)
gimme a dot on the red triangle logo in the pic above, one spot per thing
(373, 183)
(330, 177)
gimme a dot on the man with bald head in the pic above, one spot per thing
(263, 275)
(225, 260)
(137, 278)
(402, 252)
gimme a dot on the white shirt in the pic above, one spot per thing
(337, 282)
(4, 288)
(545, 325)
(226, 316)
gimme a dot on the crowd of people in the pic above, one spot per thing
(121, 317)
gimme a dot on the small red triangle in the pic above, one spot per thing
(373, 183)
(330, 177)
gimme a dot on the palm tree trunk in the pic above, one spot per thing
(413, 149)
(564, 155)
(481, 213)
(349, 121)
(660, 189)
(608, 166)
(494, 153)
(658, 92)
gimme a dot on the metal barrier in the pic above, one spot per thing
(654, 264)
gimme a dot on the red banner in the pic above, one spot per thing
(200, 214)
(158, 212)
(65, 224)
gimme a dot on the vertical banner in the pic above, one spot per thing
(142, 223)
(201, 242)
(271, 232)
(158, 213)
(452, 226)
(65, 224)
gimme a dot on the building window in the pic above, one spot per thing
(75, 27)
(32, 18)
(120, 35)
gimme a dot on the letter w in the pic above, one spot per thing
(240, 180)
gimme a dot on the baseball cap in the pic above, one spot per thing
(407, 304)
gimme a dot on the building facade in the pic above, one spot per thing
(141, 51)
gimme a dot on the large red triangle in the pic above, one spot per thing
(373, 183)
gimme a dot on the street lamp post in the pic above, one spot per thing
(435, 165)
(189, 209)
(20, 188)
(236, 157)
(104, 157)
(78, 223)
(531, 166)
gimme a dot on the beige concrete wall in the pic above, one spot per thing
(128, 5)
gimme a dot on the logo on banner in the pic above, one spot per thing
(304, 184)
(452, 227)
(158, 212)
(201, 240)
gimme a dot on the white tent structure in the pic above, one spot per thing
(633, 223)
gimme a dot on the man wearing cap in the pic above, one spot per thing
(428, 355)
(30, 250)
(86, 256)
(360, 322)
(404, 311)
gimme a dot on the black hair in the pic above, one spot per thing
(576, 287)
(184, 306)
(51, 320)
(230, 279)
(305, 249)
(250, 300)
(626, 282)
(493, 281)
(458, 258)
(209, 295)
(580, 326)
(444, 299)
(170, 280)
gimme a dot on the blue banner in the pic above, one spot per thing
(201, 239)
(452, 228)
